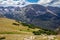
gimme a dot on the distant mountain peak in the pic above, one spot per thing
(44, 17)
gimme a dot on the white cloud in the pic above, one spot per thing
(57, 3)
(23, 3)
(44, 1)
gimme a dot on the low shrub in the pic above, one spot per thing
(48, 32)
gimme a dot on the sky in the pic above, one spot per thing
(23, 3)
(32, 1)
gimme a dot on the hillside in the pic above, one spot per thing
(12, 30)
(44, 17)
(9, 26)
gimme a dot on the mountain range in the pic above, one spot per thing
(38, 15)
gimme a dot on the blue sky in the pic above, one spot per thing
(32, 1)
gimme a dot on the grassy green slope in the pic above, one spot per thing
(17, 31)
(7, 27)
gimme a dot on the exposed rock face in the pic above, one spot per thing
(44, 17)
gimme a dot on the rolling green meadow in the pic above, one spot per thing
(12, 30)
